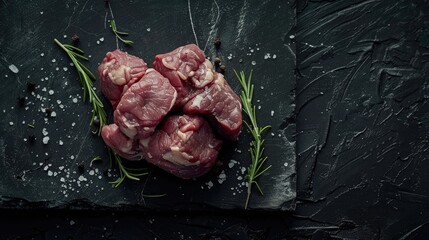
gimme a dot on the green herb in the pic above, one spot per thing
(119, 34)
(30, 125)
(125, 172)
(98, 158)
(87, 80)
(256, 150)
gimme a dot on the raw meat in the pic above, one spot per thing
(120, 143)
(144, 105)
(184, 146)
(118, 71)
(179, 66)
(201, 90)
(162, 114)
(220, 103)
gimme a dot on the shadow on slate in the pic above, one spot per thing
(37, 175)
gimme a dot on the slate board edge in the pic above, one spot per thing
(9, 203)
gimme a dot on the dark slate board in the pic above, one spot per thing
(38, 175)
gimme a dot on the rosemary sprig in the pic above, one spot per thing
(87, 80)
(256, 150)
(119, 34)
(125, 172)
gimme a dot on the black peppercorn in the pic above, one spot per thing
(217, 42)
(48, 111)
(81, 168)
(75, 39)
(31, 139)
(31, 86)
(217, 61)
(222, 68)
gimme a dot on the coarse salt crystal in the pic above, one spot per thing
(45, 140)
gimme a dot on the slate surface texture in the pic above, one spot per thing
(38, 175)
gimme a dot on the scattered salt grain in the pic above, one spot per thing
(41, 13)
(54, 60)
(72, 157)
(253, 63)
(286, 164)
(50, 173)
(13, 68)
(51, 92)
(11, 123)
(74, 100)
(209, 184)
(45, 140)
(61, 143)
(82, 178)
(53, 114)
(274, 56)
(72, 222)
(91, 172)
(44, 132)
(102, 39)
(272, 113)
(65, 69)
(148, 29)
(221, 177)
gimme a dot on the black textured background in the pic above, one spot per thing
(362, 138)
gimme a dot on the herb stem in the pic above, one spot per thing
(256, 167)
(87, 80)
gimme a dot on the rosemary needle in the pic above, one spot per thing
(87, 80)
(125, 172)
(256, 150)
(119, 34)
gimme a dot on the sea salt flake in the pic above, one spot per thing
(82, 178)
(45, 140)
(13, 68)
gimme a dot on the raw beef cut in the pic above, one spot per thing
(222, 106)
(166, 115)
(120, 143)
(179, 66)
(118, 71)
(144, 105)
(184, 146)
(201, 89)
